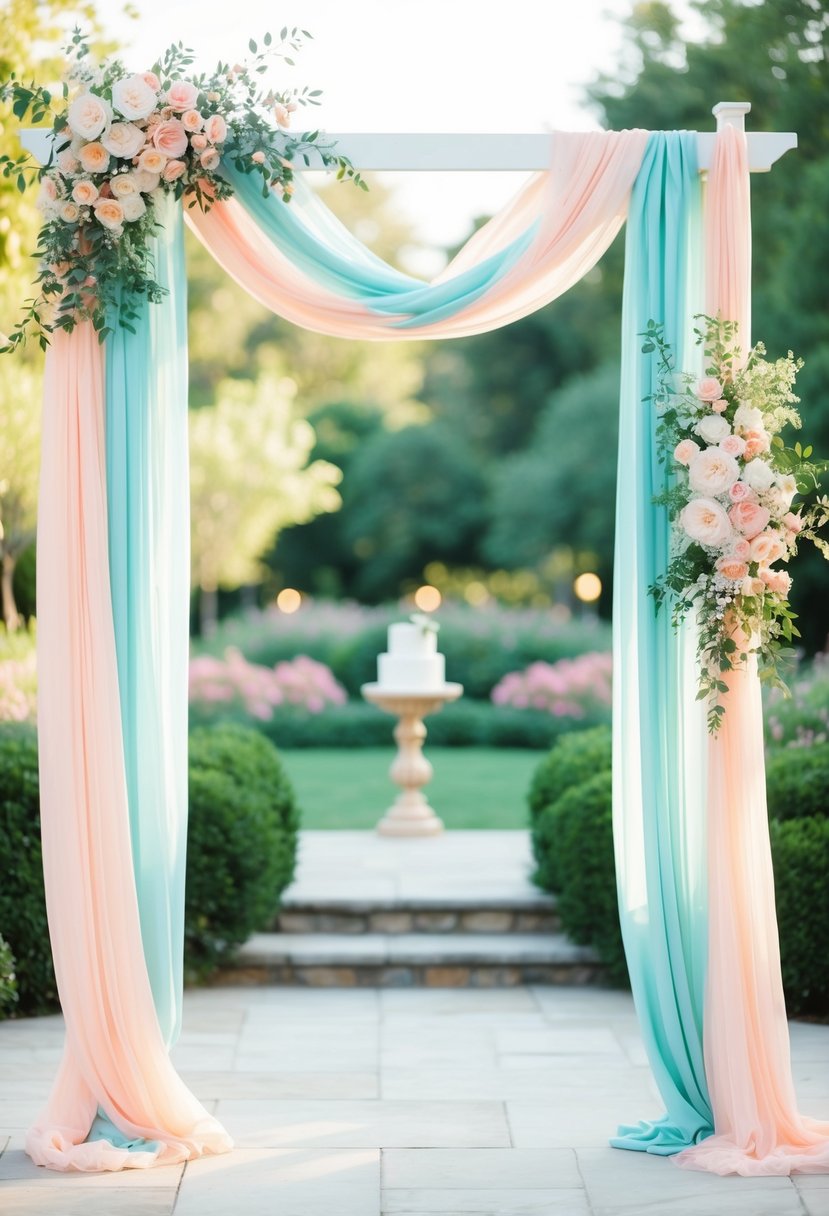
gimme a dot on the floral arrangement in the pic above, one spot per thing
(731, 495)
(121, 141)
(230, 681)
(570, 688)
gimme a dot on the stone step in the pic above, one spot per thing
(534, 914)
(393, 960)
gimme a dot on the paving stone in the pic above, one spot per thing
(419, 1202)
(17, 1166)
(283, 1084)
(495, 1169)
(22, 1199)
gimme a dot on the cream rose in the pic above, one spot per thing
(133, 206)
(109, 213)
(759, 475)
(752, 586)
(133, 97)
(712, 472)
(709, 389)
(89, 115)
(144, 180)
(170, 137)
(216, 129)
(712, 428)
(152, 161)
(748, 417)
(732, 568)
(84, 192)
(122, 185)
(124, 140)
(182, 95)
(192, 120)
(69, 212)
(47, 200)
(94, 158)
(749, 518)
(685, 450)
(705, 521)
(68, 162)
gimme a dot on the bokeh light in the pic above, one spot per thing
(427, 598)
(288, 600)
(588, 588)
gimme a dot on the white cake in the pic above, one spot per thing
(412, 662)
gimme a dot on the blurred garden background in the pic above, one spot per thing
(339, 486)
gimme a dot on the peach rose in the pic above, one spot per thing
(109, 213)
(134, 207)
(182, 95)
(740, 492)
(152, 80)
(170, 137)
(198, 141)
(69, 212)
(122, 185)
(733, 445)
(741, 549)
(258, 158)
(89, 115)
(173, 170)
(94, 158)
(779, 581)
(192, 120)
(705, 521)
(719, 407)
(752, 586)
(282, 115)
(709, 389)
(124, 140)
(84, 193)
(757, 442)
(685, 450)
(767, 548)
(209, 159)
(732, 568)
(793, 522)
(749, 518)
(216, 129)
(151, 160)
(133, 97)
(712, 472)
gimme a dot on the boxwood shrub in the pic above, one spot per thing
(797, 782)
(800, 852)
(8, 980)
(22, 900)
(241, 841)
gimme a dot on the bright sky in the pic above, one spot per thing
(415, 65)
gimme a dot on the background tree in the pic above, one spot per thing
(250, 476)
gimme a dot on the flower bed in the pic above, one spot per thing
(571, 688)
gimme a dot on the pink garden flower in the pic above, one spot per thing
(709, 389)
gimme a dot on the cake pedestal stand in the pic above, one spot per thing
(410, 815)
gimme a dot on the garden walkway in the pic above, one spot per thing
(407, 1102)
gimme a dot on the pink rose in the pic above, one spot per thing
(767, 548)
(198, 142)
(709, 389)
(209, 159)
(182, 95)
(779, 581)
(152, 80)
(719, 407)
(258, 158)
(740, 492)
(216, 129)
(685, 450)
(173, 170)
(192, 120)
(732, 568)
(793, 522)
(705, 521)
(733, 445)
(741, 549)
(152, 160)
(133, 97)
(749, 518)
(84, 193)
(94, 158)
(170, 137)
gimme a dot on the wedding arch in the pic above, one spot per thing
(694, 872)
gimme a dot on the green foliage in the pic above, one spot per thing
(800, 852)
(241, 841)
(587, 901)
(576, 757)
(22, 901)
(8, 980)
(797, 782)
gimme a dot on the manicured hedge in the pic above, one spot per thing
(800, 851)
(8, 980)
(797, 782)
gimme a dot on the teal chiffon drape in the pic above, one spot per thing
(659, 734)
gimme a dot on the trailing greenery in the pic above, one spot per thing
(22, 901)
(8, 980)
(800, 851)
(576, 758)
(241, 841)
(797, 782)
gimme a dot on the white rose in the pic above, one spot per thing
(122, 184)
(144, 180)
(758, 474)
(123, 140)
(88, 115)
(713, 428)
(705, 521)
(787, 485)
(133, 97)
(133, 206)
(713, 472)
(748, 418)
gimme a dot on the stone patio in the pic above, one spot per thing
(404, 1102)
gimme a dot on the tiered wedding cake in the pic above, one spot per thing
(412, 662)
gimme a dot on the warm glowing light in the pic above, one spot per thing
(288, 600)
(475, 593)
(427, 598)
(588, 588)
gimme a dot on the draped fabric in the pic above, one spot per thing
(747, 1059)
(659, 741)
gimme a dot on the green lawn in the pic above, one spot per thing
(473, 787)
